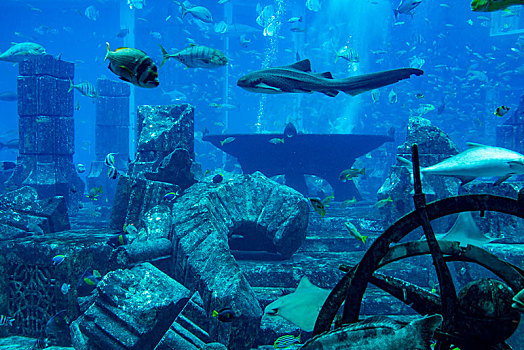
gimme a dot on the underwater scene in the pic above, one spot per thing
(262, 174)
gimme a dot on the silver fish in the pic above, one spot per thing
(91, 13)
(378, 333)
(477, 161)
(406, 6)
(85, 88)
(21, 51)
(199, 12)
(197, 56)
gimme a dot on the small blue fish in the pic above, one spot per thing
(58, 259)
(169, 196)
(218, 178)
(225, 314)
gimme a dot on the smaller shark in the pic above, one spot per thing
(298, 78)
(300, 307)
(477, 161)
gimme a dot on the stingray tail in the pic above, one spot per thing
(362, 83)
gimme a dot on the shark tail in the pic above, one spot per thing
(362, 83)
(165, 55)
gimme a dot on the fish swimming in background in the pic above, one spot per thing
(354, 232)
(118, 240)
(91, 13)
(197, 56)
(501, 111)
(493, 5)
(318, 206)
(298, 78)
(199, 12)
(406, 7)
(383, 202)
(21, 51)
(348, 174)
(8, 96)
(6, 321)
(227, 140)
(133, 66)
(477, 161)
(225, 315)
(58, 259)
(85, 88)
(378, 332)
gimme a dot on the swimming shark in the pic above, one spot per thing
(298, 78)
(300, 307)
(477, 161)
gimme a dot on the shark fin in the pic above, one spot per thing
(502, 179)
(326, 75)
(330, 93)
(304, 66)
(474, 144)
(465, 179)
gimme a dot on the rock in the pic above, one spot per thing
(23, 214)
(266, 215)
(141, 308)
(434, 146)
(164, 162)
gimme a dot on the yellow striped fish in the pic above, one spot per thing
(133, 66)
(197, 56)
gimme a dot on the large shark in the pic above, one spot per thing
(477, 161)
(298, 78)
(300, 307)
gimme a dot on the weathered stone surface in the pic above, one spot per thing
(27, 269)
(175, 168)
(266, 215)
(434, 146)
(135, 197)
(23, 343)
(135, 309)
(511, 133)
(23, 214)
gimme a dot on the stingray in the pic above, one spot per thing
(465, 231)
(300, 307)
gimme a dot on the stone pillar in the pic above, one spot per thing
(510, 135)
(111, 134)
(46, 130)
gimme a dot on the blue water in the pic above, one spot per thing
(438, 33)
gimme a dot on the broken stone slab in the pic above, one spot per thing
(263, 214)
(135, 197)
(176, 168)
(135, 309)
(157, 251)
(22, 213)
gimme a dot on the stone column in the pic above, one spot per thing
(510, 135)
(111, 134)
(46, 130)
